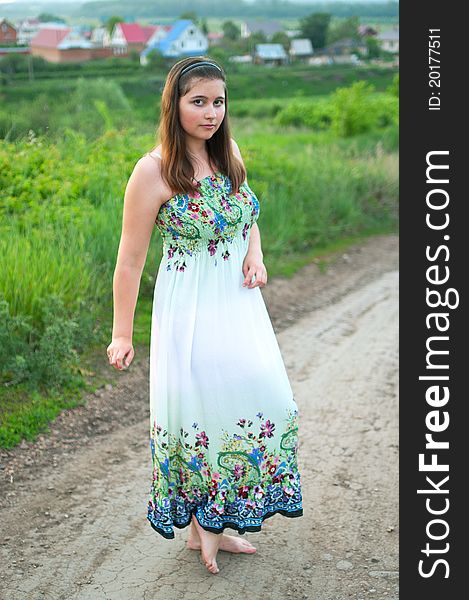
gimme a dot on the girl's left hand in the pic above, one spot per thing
(253, 266)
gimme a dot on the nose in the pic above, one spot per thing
(210, 113)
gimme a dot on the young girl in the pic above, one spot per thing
(223, 419)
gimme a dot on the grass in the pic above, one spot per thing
(44, 105)
(25, 414)
(61, 213)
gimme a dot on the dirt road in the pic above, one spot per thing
(73, 505)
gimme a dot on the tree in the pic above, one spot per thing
(222, 55)
(49, 17)
(314, 27)
(374, 50)
(280, 37)
(204, 26)
(345, 28)
(190, 15)
(258, 37)
(111, 22)
(156, 60)
(13, 63)
(231, 31)
(134, 56)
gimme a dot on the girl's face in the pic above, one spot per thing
(202, 109)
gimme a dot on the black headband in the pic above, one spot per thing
(201, 63)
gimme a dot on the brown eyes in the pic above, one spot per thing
(217, 102)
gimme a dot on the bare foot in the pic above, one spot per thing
(209, 543)
(228, 543)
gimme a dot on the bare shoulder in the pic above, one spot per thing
(237, 153)
(147, 182)
(236, 150)
(149, 165)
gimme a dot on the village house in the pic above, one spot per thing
(268, 28)
(341, 52)
(159, 33)
(214, 38)
(270, 54)
(7, 32)
(26, 29)
(127, 37)
(183, 39)
(65, 44)
(389, 40)
(301, 49)
(99, 35)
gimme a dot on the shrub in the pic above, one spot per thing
(40, 354)
(263, 108)
(348, 111)
(316, 114)
(96, 106)
(352, 110)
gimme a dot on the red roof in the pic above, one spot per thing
(133, 33)
(49, 37)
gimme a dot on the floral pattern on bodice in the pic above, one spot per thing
(209, 220)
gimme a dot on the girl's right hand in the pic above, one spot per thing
(120, 353)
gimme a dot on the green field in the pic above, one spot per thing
(50, 103)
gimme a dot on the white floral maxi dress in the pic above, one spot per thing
(223, 419)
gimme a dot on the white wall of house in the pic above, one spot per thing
(26, 32)
(118, 40)
(97, 36)
(390, 45)
(191, 40)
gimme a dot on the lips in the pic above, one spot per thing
(208, 126)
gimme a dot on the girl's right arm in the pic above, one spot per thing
(142, 201)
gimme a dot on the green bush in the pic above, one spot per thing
(259, 109)
(352, 109)
(13, 63)
(156, 61)
(347, 112)
(385, 109)
(316, 114)
(43, 353)
(96, 106)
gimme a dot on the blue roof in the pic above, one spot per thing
(176, 30)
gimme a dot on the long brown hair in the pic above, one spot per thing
(177, 169)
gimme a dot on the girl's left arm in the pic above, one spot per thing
(254, 247)
(253, 264)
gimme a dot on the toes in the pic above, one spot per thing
(212, 567)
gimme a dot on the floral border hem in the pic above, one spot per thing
(228, 524)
